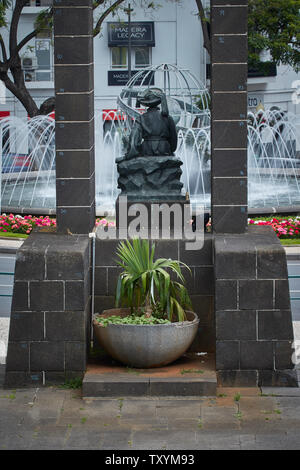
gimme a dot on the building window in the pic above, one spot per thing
(142, 57)
(39, 3)
(119, 57)
(43, 53)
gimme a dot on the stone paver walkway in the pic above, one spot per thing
(52, 418)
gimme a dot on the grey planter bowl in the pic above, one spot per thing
(145, 346)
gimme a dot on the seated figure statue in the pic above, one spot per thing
(154, 132)
(149, 170)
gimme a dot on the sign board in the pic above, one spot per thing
(121, 77)
(255, 99)
(142, 34)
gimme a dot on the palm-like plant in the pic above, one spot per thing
(146, 284)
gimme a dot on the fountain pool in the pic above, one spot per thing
(28, 150)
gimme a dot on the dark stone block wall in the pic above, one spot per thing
(50, 318)
(229, 66)
(200, 284)
(74, 115)
(254, 330)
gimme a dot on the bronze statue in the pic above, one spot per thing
(154, 132)
(149, 169)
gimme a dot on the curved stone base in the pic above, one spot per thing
(145, 178)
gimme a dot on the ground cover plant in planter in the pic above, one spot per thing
(153, 323)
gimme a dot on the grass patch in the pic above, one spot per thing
(289, 241)
(72, 384)
(191, 371)
(13, 235)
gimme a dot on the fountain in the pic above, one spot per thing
(28, 162)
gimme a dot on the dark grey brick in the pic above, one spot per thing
(166, 249)
(239, 325)
(75, 192)
(271, 264)
(229, 20)
(70, 163)
(17, 356)
(237, 262)
(76, 356)
(65, 326)
(203, 281)
(20, 297)
(22, 379)
(47, 356)
(226, 295)
(237, 378)
(112, 276)
(73, 50)
(282, 295)
(227, 355)
(103, 302)
(205, 340)
(203, 305)
(68, 259)
(26, 326)
(278, 378)
(100, 281)
(229, 49)
(275, 324)
(79, 220)
(229, 77)
(255, 294)
(73, 21)
(106, 252)
(227, 106)
(230, 163)
(79, 136)
(64, 78)
(196, 257)
(256, 355)
(30, 264)
(229, 191)
(47, 296)
(77, 293)
(229, 219)
(284, 352)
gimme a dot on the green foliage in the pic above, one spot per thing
(4, 4)
(274, 25)
(72, 383)
(130, 320)
(146, 284)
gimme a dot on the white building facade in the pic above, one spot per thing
(171, 34)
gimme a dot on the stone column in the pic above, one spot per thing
(74, 94)
(229, 65)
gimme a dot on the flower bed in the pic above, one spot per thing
(23, 224)
(285, 228)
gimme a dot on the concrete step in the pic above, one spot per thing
(191, 375)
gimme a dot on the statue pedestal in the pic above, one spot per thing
(151, 178)
(154, 218)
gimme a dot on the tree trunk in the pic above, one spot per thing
(19, 90)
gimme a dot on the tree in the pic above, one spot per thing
(11, 72)
(274, 25)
